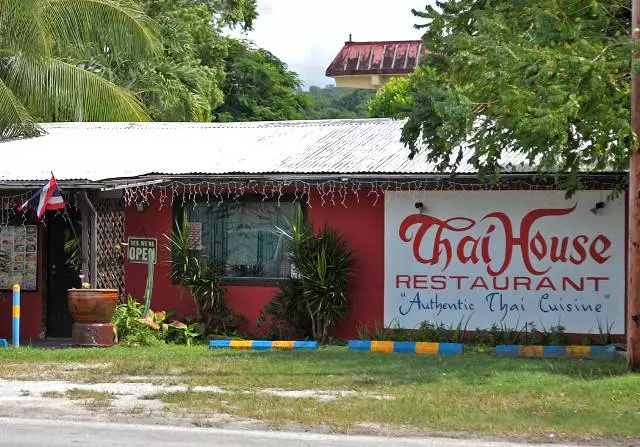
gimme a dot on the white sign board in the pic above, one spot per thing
(505, 257)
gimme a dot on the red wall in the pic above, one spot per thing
(361, 224)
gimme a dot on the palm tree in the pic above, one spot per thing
(41, 42)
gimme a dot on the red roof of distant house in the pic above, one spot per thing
(390, 57)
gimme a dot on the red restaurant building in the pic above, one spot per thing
(427, 246)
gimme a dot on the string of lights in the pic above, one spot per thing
(319, 193)
(9, 207)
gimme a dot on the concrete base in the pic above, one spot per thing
(93, 334)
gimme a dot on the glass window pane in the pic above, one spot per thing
(242, 237)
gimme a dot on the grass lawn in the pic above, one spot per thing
(474, 393)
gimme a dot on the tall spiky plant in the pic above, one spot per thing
(40, 39)
(325, 265)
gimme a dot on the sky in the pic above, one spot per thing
(307, 34)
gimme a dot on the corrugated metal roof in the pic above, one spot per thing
(387, 57)
(99, 151)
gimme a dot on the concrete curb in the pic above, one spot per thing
(408, 347)
(558, 352)
(264, 345)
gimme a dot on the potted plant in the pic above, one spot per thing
(91, 309)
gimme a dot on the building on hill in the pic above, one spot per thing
(370, 65)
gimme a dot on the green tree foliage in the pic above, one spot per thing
(182, 83)
(185, 83)
(203, 75)
(37, 82)
(549, 79)
(334, 103)
(393, 100)
(258, 86)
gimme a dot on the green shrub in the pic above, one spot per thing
(133, 329)
(286, 314)
(126, 317)
(325, 266)
(555, 335)
(202, 278)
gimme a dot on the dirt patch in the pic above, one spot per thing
(322, 395)
(136, 395)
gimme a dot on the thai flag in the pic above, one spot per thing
(46, 198)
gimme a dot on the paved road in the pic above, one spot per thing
(40, 432)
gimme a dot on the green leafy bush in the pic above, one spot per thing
(325, 266)
(129, 328)
(605, 332)
(555, 335)
(286, 314)
(134, 328)
(202, 278)
(182, 333)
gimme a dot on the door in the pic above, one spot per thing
(62, 275)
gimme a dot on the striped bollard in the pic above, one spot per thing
(407, 347)
(558, 352)
(16, 316)
(264, 345)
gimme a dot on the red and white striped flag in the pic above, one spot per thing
(46, 198)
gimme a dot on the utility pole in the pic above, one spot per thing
(633, 272)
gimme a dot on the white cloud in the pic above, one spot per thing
(307, 34)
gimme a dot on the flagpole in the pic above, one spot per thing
(47, 198)
(67, 217)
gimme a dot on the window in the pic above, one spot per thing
(242, 236)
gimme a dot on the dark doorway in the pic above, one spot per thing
(61, 274)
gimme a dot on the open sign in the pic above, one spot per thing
(141, 249)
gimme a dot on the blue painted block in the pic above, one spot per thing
(219, 344)
(261, 345)
(602, 352)
(305, 345)
(554, 352)
(359, 345)
(450, 348)
(3, 343)
(510, 350)
(404, 347)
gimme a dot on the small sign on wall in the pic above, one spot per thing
(195, 235)
(141, 248)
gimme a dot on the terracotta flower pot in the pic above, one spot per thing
(92, 305)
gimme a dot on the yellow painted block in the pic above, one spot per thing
(578, 351)
(240, 344)
(428, 348)
(16, 311)
(286, 345)
(531, 351)
(381, 346)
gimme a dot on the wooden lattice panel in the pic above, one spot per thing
(110, 234)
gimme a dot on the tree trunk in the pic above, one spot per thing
(633, 269)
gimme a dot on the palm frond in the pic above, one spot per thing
(21, 27)
(55, 90)
(119, 27)
(15, 121)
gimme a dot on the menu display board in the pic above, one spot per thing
(20, 244)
